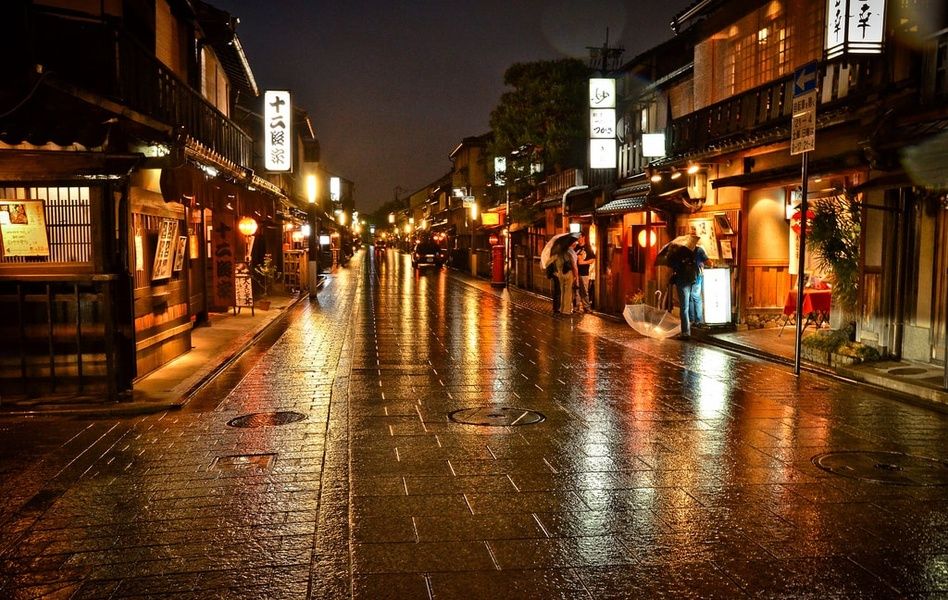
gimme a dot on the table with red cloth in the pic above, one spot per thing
(816, 306)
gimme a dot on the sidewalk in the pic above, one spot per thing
(913, 381)
(213, 347)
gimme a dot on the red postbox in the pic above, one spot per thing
(497, 263)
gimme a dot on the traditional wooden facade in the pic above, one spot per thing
(135, 173)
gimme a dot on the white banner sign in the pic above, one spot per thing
(602, 154)
(277, 131)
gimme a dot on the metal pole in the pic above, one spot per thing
(507, 245)
(801, 265)
(312, 275)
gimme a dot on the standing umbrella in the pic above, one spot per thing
(677, 249)
(557, 245)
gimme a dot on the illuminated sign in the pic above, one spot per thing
(602, 154)
(653, 145)
(324, 240)
(490, 218)
(602, 93)
(277, 136)
(500, 170)
(334, 187)
(854, 27)
(602, 123)
(716, 289)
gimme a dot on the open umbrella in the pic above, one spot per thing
(652, 321)
(680, 247)
(557, 244)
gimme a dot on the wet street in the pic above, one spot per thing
(437, 438)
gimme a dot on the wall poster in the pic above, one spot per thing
(164, 250)
(179, 253)
(23, 228)
(704, 229)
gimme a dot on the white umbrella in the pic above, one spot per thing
(558, 242)
(651, 321)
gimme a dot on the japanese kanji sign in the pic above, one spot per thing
(277, 131)
(602, 123)
(803, 123)
(854, 27)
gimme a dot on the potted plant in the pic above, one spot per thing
(265, 274)
(833, 236)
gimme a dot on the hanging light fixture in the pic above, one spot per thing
(247, 226)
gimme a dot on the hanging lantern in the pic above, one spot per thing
(247, 226)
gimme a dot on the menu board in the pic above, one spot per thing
(164, 251)
(179, 253)
(23, 228)
(243, 288)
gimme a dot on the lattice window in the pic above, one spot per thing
(68, 216)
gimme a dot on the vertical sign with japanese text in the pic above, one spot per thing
(803, 121)
(222, 239)
(277, 131)
(854, 27)
(602, 123)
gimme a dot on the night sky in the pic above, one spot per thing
(393, 87)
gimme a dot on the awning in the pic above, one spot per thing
(50, 165)
(622, 206)
(792, 173)
(675, 200)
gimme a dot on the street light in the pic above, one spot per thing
(568, 191)
(312, 276)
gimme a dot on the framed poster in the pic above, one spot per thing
(179, 253)
(704, 229)
(23, 228)
(243, 288)
(726, 252)
(167, 232)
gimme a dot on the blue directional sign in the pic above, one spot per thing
(804, 79)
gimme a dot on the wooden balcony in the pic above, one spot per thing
(117, 67)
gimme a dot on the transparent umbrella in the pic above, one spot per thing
(557, 244)
(652, 321)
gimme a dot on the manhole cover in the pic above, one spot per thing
(244, 462)
(894, 468)
(907, 371)
(266, 419)
(499, 416)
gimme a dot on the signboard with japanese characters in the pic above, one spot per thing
(243, 286)
(222, 261)
(500, 170)
(602, 123)
(803, 110)
(23, 228)
(277, 131)
(164, 250)
(854, 27)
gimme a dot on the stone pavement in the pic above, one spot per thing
(658, 469)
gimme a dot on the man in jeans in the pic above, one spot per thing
(585, 260)
(696, 316)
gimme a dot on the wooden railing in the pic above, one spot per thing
(102, 58)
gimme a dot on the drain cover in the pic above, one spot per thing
(244, 462)
(907, 371)
(894, 468)
(496, 416)
(266, 419)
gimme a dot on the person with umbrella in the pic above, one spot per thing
(680, 255)
(696, 316)
(557, 247)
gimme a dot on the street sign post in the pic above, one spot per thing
(803, 141)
